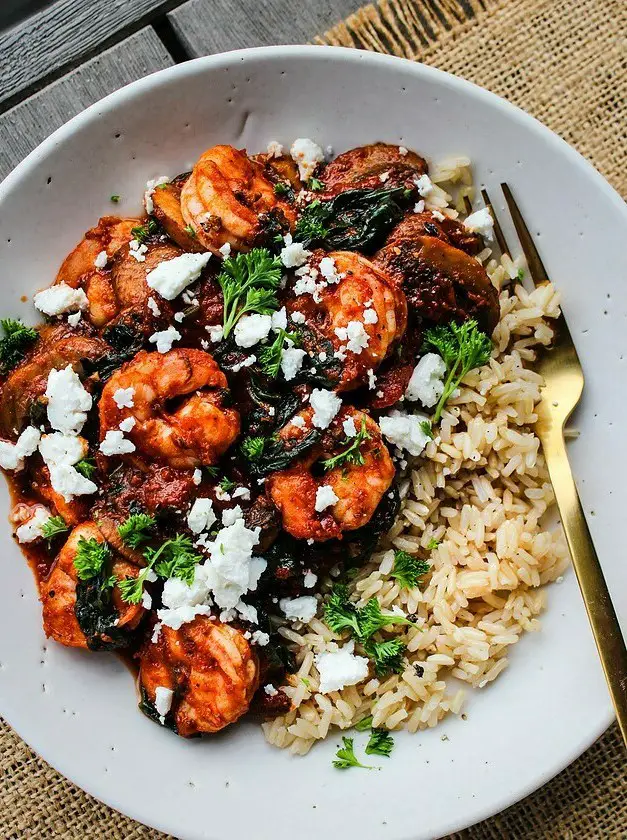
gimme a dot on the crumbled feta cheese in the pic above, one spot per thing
(69, 482)
(74, 319)
(150, 188)
(298, 317)
(12, 455)
(201, 516)
(59, 448)
(247, 612)
(247, 362)
(152, 305)
(383, 177)
(68, 401)
(146, 601)
(164, 339)
(251, 329)
(163, 701)
(179, 316)
(170, 277)
(32, 529)
(402, 150)
(275, 149)
(230, 515)
(372, 380)
(231, 570)
(356, 337)
(307, 155)
(293, 254)
(123, 397)
(339, 668)
(326, 405)
(299, 609)
(298, 421)
(127, 424)
(60, 298)
(225, 249)
(241, 493)
(291, 362)
(370, 316)
(183, 602)
(481, 222)
(306, 285)
(424, 184)
(197, 476)
(137, 250)
(419, 207)
(259, 638)
(222, 495)
(407, 431)
(115, 443)
(426, 384)
(270, 690)
(328, 270)
(215, 332)
(279, 320)
(325, 497)
(350, 430)
(101, 260)
(310, 580)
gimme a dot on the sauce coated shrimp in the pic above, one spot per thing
(228, 199)
(362, 316)
(179, 405)
(58, 597)
(211, 668)
(358, 483)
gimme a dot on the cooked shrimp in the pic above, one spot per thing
(167, 211)
(228, 199)
(58, 596)
(357, 483)
(128, 277)
(79, 269)
(377, 166)
(211, 668)
(179, 405)
(362, 315)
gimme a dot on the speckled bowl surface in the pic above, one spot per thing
(78, 710)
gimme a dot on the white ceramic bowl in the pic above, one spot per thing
(78, 710)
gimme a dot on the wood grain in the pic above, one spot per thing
(62, 34)
(27, 124)
(210, 26)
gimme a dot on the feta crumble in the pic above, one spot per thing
(426, 383)
(247, 362)
(275, 149)
(60, 298)
(231, 570)
(424, 184)
(171, 277)
(201, 516)
(241, 493)
(406, 431)
(69, 482)
(101, 260)
(150, 188)
(325, 497)
(481, 222)
(32, 529)
(370, 316)
(251, 329)
(163, 701)
(350, 430)
(299, 609)
(59, 448)
(260, 638)
(137, 250)
(291, 362)
(372, 380)
(197, 476)
(164, 339)
(293, 254)
(307, 155)
(225, 250)
(74, 319)
(270, 690)
(419, 207)
(328, 270)
(183, 602)
(231, 515)
(339, 668)
(298, 317)
(154, 308)
(215, 332)
(123, 397)
(355, 335)
(115, 443)
(12, 455)
(310, 580)
(68, 401)
(279, 320)
(402, 150)
(326, 405)
(127, 424)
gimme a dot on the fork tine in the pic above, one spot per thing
(498, 230)
(534, 262)
(467, 205)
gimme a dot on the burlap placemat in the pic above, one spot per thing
(564, 61)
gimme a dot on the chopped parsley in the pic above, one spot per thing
(115, 198)
(226, 484)
(283, 189)
(315, 185)
(364, 724)
(86, 467)
(345, 756)
(408, 569)
(53, 527)
(520, 274)
(463, 347)
(433, 544)
(16, 340)
(249, 283)
(174, 558)
(387, 656)
(353, 454)
(380, 743)
(142, 232)
(190, 230)
(425, 426)
(137, 530)
(253, 447)
(271, 355)
(91, 556)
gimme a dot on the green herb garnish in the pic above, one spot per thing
(520, 274)
(463, 347)
(86, 467)
(226, 484)
(142, 232)
(249, 283)
(408, 569)
(425, 426)
(346, 756)
(433, 544)
(284, 190)
(174, 558)
(315, 185)
(137, 529)
(364, 724)
(271, 355)
(380, 743)
(14, 343)
(253, 447)
(115, 198)
(387, 656)
(190, 230)
(353, 454)
(53, 527)
(91, 556)
(341, 614)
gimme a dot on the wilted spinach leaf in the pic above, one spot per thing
(96, 614)
(125, 343)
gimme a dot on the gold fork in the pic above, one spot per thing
(563, 385)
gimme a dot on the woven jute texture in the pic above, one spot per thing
(564, 61)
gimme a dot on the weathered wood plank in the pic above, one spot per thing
(63, 33)
(210, 26)
(27, 124)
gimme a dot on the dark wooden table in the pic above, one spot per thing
(70, 53)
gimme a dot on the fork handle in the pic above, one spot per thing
(605, 626)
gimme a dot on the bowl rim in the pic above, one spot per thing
(134, 91)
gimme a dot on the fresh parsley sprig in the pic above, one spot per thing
(408, 569)
(271, 355)
(249, 283)
(353, 454)
(226, 484)
(86, 467)
(387, 656)
(14, 343)
(53, 527)
(91, 556)
(463, 347)
(380, 743)
(252, 448)
(174, 558)
(143, 232)
(346, 756)
(137, 529)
